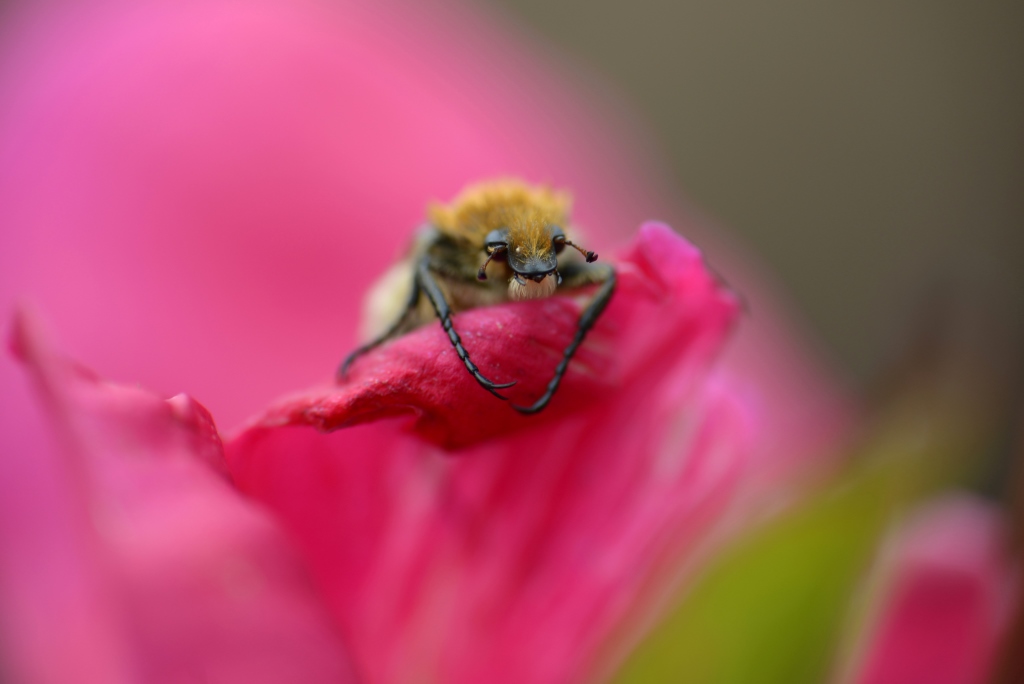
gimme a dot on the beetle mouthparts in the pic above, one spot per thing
(532, 286)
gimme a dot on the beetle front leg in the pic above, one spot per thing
(426, 281)
(601, 274)
(410, 306)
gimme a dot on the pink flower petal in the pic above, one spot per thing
(134, 560)
(947, 604)
(514, 559)
(666, 307)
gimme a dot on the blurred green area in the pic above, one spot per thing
(871, 153)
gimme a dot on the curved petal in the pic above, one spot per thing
(516, 558)
(947, 601)
(666, 307)
(135, 560)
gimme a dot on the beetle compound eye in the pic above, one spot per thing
(557, 239)
(496, 239)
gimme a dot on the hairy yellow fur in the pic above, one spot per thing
(525, 210)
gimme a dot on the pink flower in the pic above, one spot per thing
(199, 193)
(540, 540)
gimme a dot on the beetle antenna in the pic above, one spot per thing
(591, 257)
(482, 273)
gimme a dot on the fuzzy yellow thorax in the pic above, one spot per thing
(526, 210)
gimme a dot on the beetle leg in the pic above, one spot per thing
(604, 275)
(426, 281)
(410, 305)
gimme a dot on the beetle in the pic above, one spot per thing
(497, 241)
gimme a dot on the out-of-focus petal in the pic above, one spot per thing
(514, 560)
(130, 559)
(946, 603)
